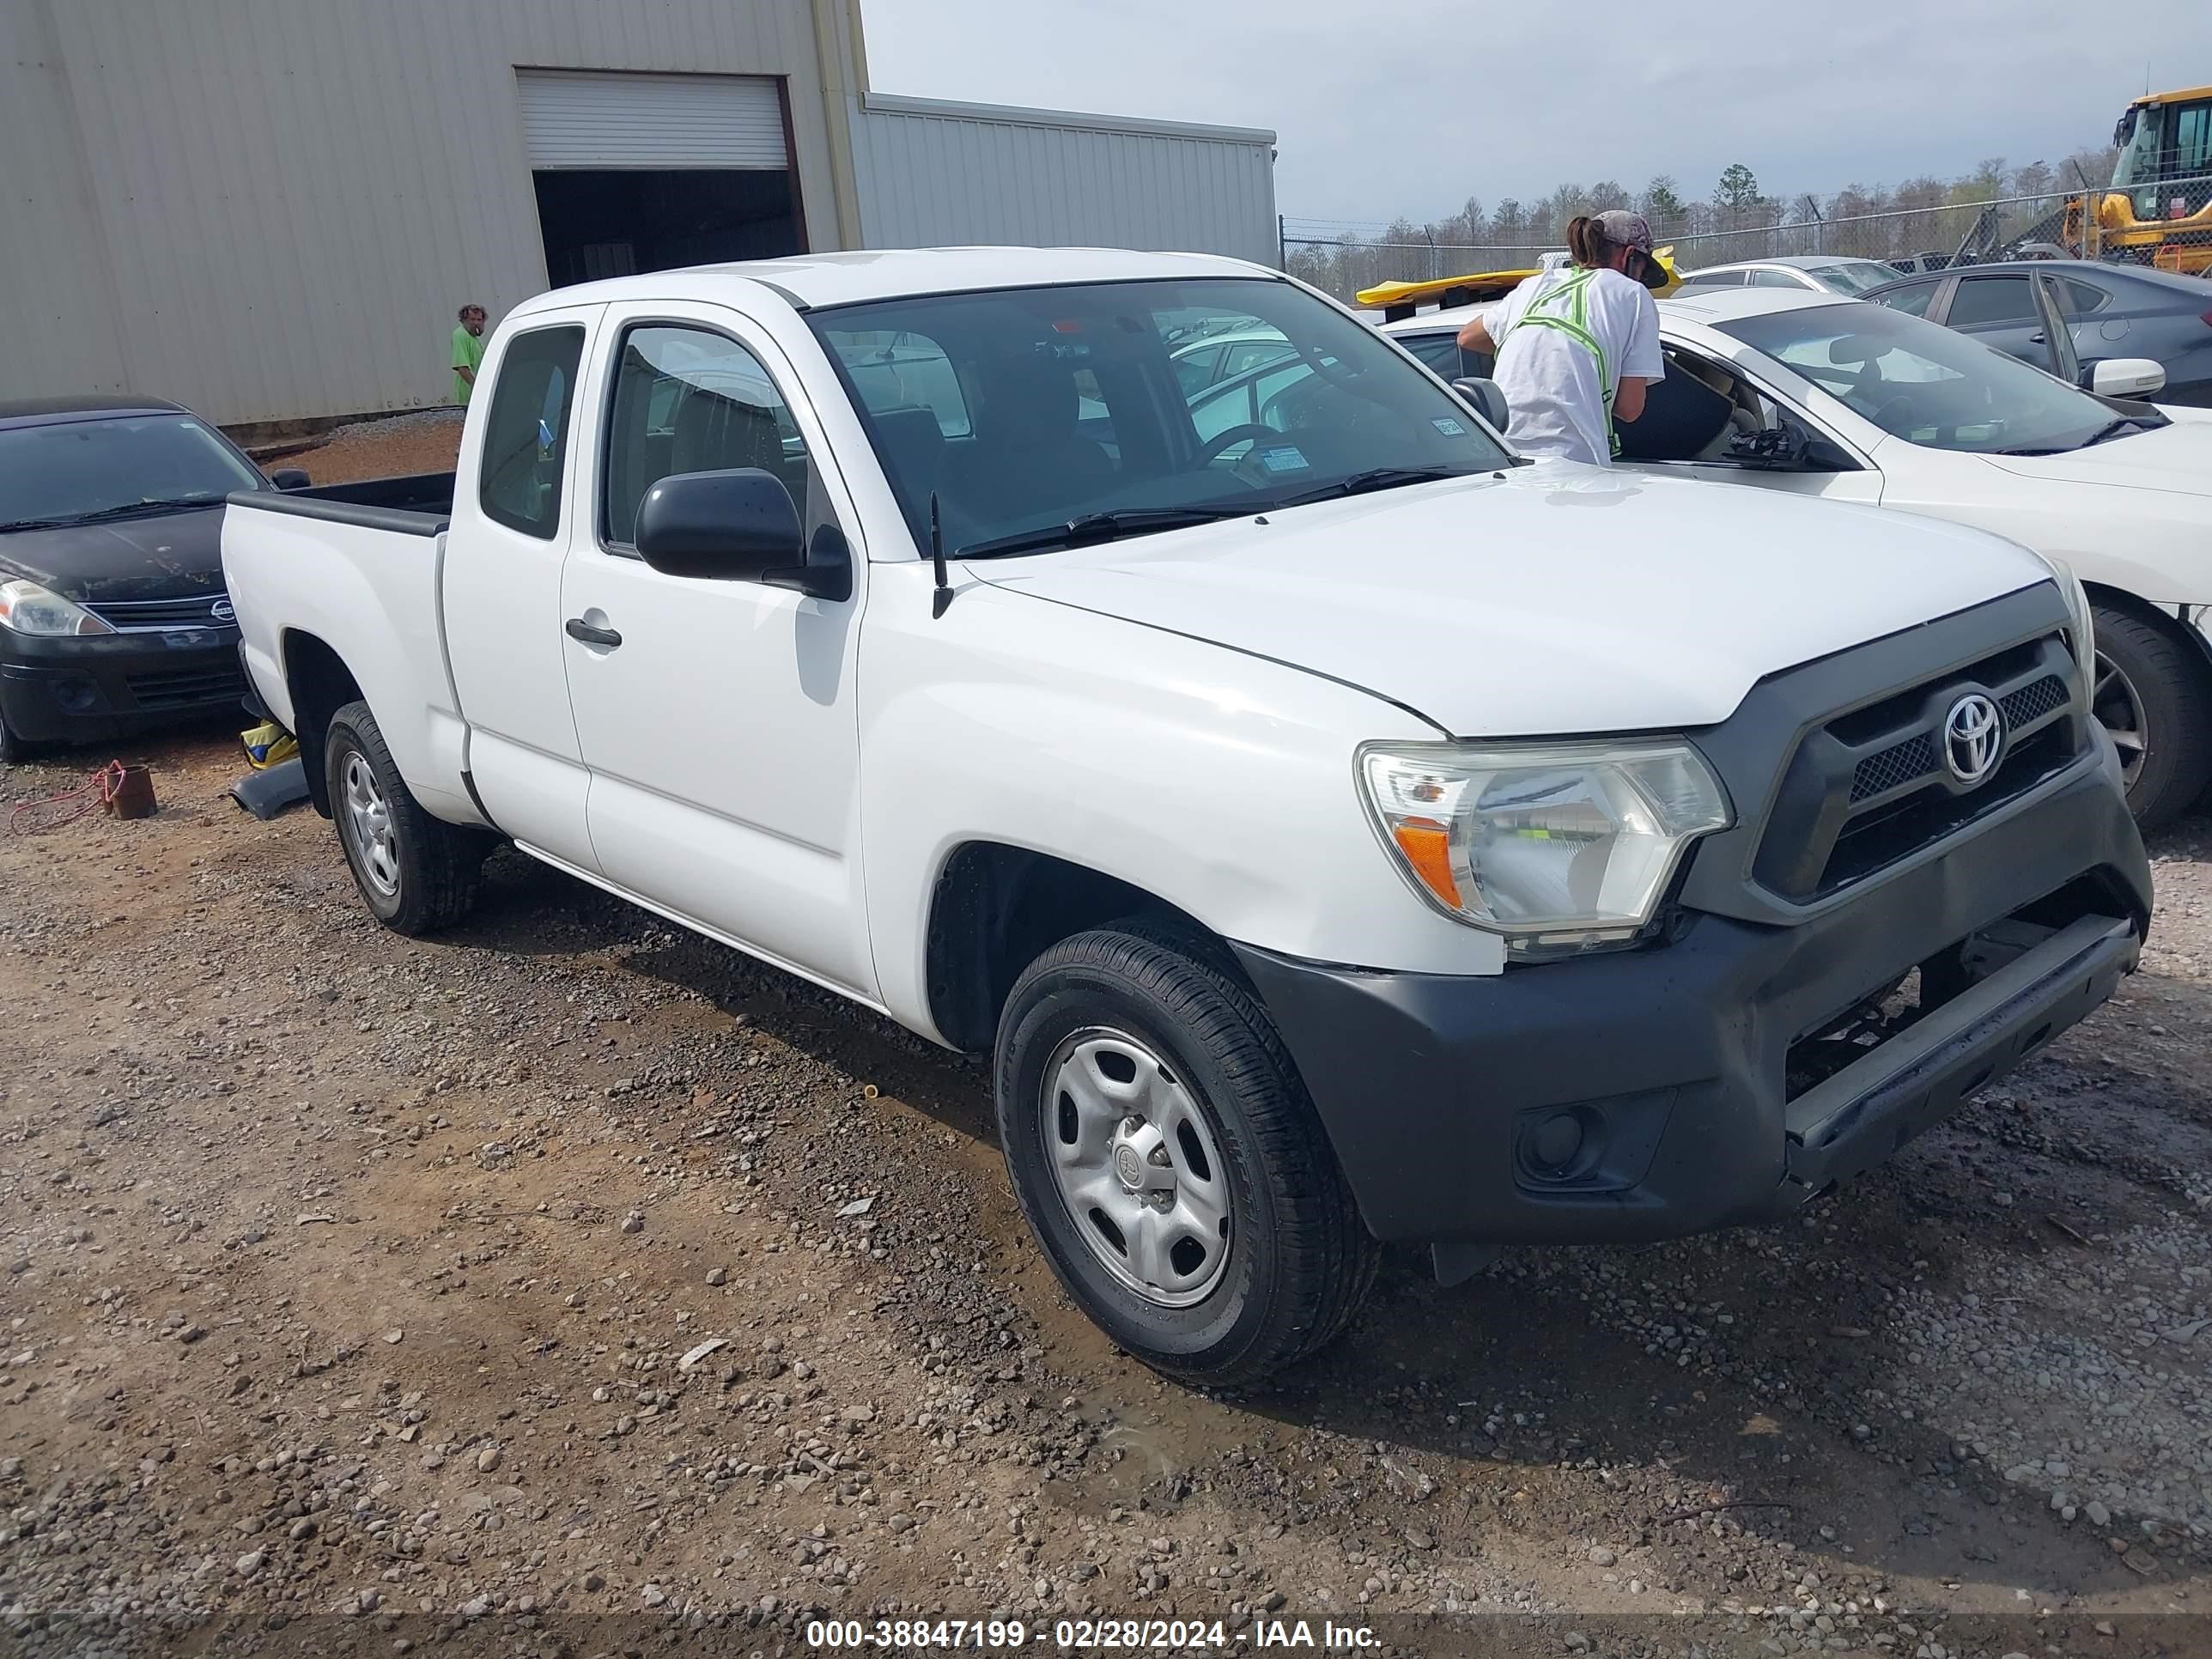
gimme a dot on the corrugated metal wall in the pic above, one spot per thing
(58, 306)
(935, 173)
(269, 208)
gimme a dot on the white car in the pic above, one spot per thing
(1333, 840)
(1811, 395)
(1813, 273)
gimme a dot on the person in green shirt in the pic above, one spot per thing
(468, 350)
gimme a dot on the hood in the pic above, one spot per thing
(173, 557)
(2177, 458)
(1557, 600)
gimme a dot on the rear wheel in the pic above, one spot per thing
(2150, 696)
(418, 873)
(1169, 1160)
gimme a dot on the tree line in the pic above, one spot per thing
(1737, 221)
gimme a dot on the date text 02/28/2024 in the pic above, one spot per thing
(1080, 1635)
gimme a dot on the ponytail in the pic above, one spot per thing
(1586, 240)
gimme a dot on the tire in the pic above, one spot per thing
(417, 873)
(1206, 1070)
(14, 749)
(2152, 696)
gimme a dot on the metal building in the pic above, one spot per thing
(270, 209)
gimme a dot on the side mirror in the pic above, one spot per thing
(739, 525)
(2124, 377)
(1485, 399)
(291, 478)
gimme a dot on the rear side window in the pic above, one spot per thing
(2082, 298)
(527, 430)
(1912, 300)
(1774, 279)
(1991, 300)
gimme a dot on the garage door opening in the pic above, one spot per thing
(644, 171)
(612, 223)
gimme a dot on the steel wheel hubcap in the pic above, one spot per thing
(368, 815)
(2119, 709)
(1137, 1167)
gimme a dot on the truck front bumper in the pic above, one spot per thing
(1645, 1094)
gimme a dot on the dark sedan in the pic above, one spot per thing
(113, 614)
(2111, 310)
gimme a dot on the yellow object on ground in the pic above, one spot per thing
(268, 744)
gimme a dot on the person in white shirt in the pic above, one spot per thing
(1575, 346)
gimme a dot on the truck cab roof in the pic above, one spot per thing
(809, 280)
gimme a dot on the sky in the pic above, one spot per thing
(1411, 106)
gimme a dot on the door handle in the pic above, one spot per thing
(585, 634)
(2038, 338)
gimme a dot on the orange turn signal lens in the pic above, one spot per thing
(1427, 847)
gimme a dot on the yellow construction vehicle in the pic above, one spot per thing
(2158, 208)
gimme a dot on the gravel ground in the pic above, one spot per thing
(424, 441)
(571, 1284)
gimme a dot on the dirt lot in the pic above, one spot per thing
(426, 441)
(570, 1285)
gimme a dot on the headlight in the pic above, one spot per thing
(30, 609)
(2085, 624)
(1562, 847)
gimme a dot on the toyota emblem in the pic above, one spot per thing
(223, 610)
(1973, 738)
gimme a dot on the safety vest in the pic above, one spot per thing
(1566, 308)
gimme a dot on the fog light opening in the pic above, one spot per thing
(1562, 1147)
(1555, 1142)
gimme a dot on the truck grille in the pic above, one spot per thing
(136, 615)
(183, 688)
(1874, 786)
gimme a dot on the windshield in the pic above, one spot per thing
(72, 469)
(1853, 276)
(1923, 383)
(1027, 408)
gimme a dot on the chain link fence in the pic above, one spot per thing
(2167, 225)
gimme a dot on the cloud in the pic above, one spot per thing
(1411, 107)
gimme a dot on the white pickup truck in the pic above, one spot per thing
(1342, 830)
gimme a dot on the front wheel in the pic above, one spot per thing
(418, 873)
(14, 749)
(1166, 1155)
(2150, 697)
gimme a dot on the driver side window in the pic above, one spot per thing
(1701, 411)
(687, 399)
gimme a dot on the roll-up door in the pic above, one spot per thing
(572, 118)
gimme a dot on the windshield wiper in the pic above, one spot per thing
(120, 510)
(2123, 425)
(2114, 428)
(1089, 527)
(1376, 478)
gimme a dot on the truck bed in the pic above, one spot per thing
(352, 571)
(416, 504)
